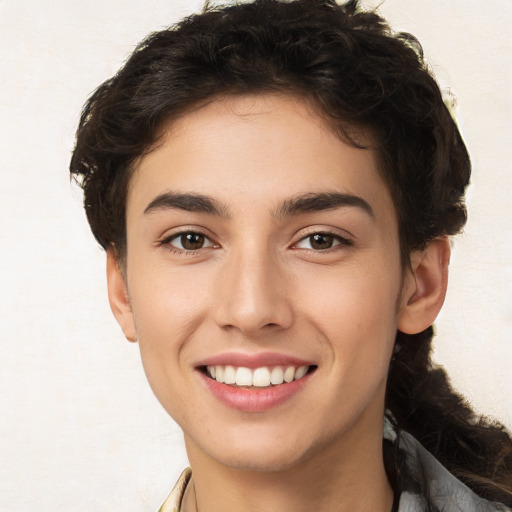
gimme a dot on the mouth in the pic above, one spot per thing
(256, 378)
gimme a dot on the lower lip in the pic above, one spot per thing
(254, 399)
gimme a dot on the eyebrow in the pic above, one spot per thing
(314, 202)
(189, 202)
(305, 203)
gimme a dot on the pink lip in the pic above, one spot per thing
(253, 360)
(254, 400)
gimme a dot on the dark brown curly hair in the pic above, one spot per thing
(358, 73)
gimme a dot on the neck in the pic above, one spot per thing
(348, 475)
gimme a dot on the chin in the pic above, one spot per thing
(262, 461)
(262, 453)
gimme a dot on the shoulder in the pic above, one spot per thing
(440, 488)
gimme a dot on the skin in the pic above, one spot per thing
(257, 284)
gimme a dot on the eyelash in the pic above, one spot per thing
(167, 242)
(338, 241)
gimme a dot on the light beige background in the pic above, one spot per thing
(79, 427)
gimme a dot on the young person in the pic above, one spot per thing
(275, 184)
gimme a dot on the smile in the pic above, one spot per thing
(255, 383)
(262, 377)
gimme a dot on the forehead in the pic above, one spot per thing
(255, 149)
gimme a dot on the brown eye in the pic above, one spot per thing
(321, 241)
(190, 241)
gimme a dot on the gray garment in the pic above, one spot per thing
(447, 493)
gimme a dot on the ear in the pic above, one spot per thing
(118, 295)
(424, 287)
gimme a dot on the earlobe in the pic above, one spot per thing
(424, 287)
(118, 295)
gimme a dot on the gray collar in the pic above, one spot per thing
(446, 492)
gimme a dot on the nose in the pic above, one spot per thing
(253, 295)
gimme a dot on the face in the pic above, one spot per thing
(263, 282)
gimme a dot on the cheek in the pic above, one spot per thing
(167, 308)
(167, 301)
(163, 325)
(358, 295)
(355, 311)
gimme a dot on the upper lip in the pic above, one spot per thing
(253, 360)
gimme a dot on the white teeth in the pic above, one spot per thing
(243, 377)
(277, 375)
(289, 374)
(259, 377)
(300, 372)
(229, 375)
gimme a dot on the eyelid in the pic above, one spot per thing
(342, 239)
(165, 241)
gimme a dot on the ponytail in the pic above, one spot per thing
(475, 449)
